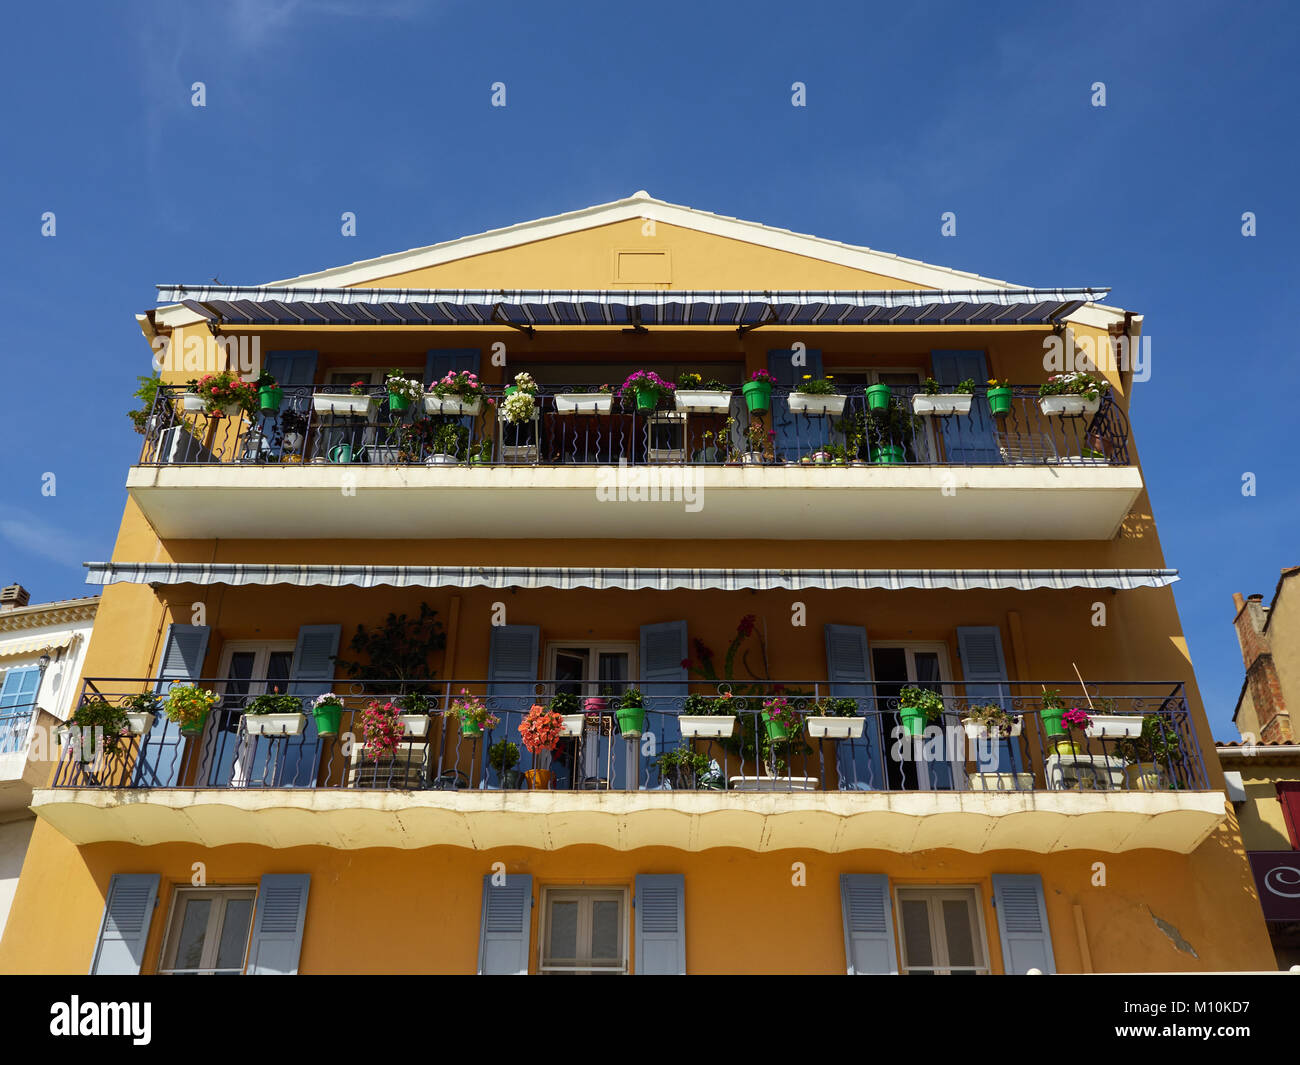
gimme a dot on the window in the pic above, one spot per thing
(941, 932)
(249, 669)
(17, 702)
(895, 666)
(584, 931)
(586, 669)
(208, 931)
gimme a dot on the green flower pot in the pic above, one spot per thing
(758, 396)
(341, 453)
(397, 404)
(887, 455)
(270, 399)
(327, 717)
(631, 720)
(913, 720)
(775, 730)
(878, 397)
(195, 728)
(470, 728)
(999, 401)
(1052, 721)
(647, 399)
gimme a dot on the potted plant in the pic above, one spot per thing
(569, 708)
(140, 712)
(919, 707)
(758, 437)
(999, 397)
(631, 713)
(758, 392)
(274, 714)
(327, 709)
(414, 714)
(1071, 394)
(933, 400)
(94, 726)
(224, 394)
(816, 395)
(458, 392)
(682, 767)
(519, 411)
(1051, 711)
(472, 713)
(382, 729)
(356, 401)
(1108, 722)
(646, 390)
(1149, 754)
(402, 391)
(293, 430)
(698, 396)
(780, 718)
(888, 432)
(448, 443)
(188, 706)
(540, 730)
(269, 393)
(585, 399)
(1074, 719)
(480, 454)
(702, 716)
(990, 722)
(836, 719)
(503, 756)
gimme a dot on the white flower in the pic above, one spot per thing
(327, 698)
(519, 407)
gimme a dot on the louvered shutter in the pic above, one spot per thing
(1022, 923)
(660, 905)
(124, 930)
(868, 924)
(162, 748)
(859, 763)
(277, 929)
(984, 671)
(506, 926)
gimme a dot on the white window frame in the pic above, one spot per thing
(212, 935)
(262, 649)
(946, 686)
(594, 650)
(374, 377)
(580, 893)
(873, 373)
(933, 894)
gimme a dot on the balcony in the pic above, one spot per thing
(849, 475)
(1130, 779)
(26, 756)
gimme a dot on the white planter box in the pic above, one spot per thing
(441, 459)
(583, 402)
(192, 402)
(572, 724)
(383, 455)
(414, 725)
(944, 403)
(804, 404)
(703, 401)
(519, 453)
(451, 405)
(1064, 406)
(139, 724)
(337, 403)
(980, 732)
(274, 724)
(719, 725)
(836, 728)
(775, 784)
(1115, 725)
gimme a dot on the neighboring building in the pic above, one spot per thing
(1263, 769)
(42, 647)
(690, 550)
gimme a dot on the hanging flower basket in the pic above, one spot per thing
(878, 397)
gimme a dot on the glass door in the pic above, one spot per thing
(925, 766)
(232, 759)
(590, 671)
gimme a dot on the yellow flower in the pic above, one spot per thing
(807, 377)
(830, 377)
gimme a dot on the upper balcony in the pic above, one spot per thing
(1001, 470)
(708, 771)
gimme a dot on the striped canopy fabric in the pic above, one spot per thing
(239, 573)
(235, 306)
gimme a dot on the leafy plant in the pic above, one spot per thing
(705, 706)
(632, 699)
(293, 421)
(694, 382)
(381, 728)
(473, 710)
(843, 707)
(930, 703)
(683, 766)
(400, 385)
(816, 386)
(645, 381)
(781, 711)
(1051, 699)
(188, 704)
(566, 703)
(358, 388)
(588, 390)
(415, 703)
(144, 703)
(1157, 742)
(965, 387)
(758, 435)
(225, 389)
(1075, 383)
(934, 388)
(399, 649)
(274, 702)
(450, 438)
(995, 382)
(991, 716)
(96, 718)
(147, 394)
(503, 756)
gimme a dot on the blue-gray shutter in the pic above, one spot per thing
(294, 371)
(512, 680)
(795, 436)
(968, 438)
(277, 928)
(439, 362)
(848, 668)
(660, 905)
(984, 671)
(663, 650)
(868, 924)
(313, 660)
(124, 930)
(161, 750)
(506, 926)
(1022, 923)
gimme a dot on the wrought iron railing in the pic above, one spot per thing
(15, 722)
(308, 428)
(1146, 741)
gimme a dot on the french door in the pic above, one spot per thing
(588, 670)
(927, 766)
(232, 759)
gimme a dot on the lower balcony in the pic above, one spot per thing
(761, 767)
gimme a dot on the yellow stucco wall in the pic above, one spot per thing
(1263, 826)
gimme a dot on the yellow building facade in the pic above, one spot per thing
(821, 553)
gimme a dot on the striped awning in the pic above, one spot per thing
(34, 644)
(236, 306)
(609, 578)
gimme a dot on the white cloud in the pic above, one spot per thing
(30, 534)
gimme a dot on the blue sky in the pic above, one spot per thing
(315, 107)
